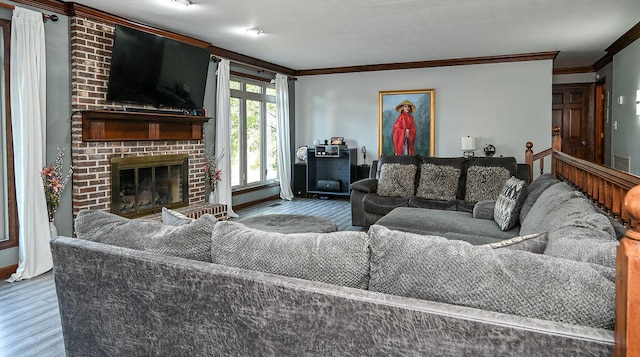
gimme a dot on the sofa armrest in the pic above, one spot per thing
(367, 185)
(484, 209)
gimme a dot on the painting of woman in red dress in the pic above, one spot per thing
(404, 129)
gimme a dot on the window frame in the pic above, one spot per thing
(12, 203)
(243, 96)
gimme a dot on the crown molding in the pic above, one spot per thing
(574, 70)
(435, 63)
(620, 44)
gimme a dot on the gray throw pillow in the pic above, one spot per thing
(484, 209)
(174, 218)
(500, 280)
(438, 182)
(533, 243)
(509, 203)
(340, 258)
(191, 241)
(485, 182)
(397, 180)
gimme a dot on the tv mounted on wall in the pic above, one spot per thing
(153, 70)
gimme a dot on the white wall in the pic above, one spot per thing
(626, 81)
(504, 104)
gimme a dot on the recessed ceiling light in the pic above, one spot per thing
(184, 3)
(255, 31)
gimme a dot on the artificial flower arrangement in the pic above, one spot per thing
(54, 183)
(211, 169)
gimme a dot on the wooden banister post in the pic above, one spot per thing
(627, 328)
(528, 159)
(556, 145)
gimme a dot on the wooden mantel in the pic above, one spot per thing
(111, 125)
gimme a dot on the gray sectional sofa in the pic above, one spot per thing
(453, 184)
(129, 287)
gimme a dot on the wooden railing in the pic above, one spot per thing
(618, 194)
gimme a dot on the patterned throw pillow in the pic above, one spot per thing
(507, 209)
(397, 180)
(534, 243)
(485, 182)
(438, 182)
(174, 218)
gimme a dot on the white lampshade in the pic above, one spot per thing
(468, 143)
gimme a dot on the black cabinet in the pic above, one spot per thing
(331, 175)
(362, 172)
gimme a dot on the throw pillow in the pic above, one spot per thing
(484, 209)
(397, 180)
(509, 203)
(500, 280)
(485, 182)
(174, 218)
(191, 241)
(340, 258)
(438, 182)
(534, 243)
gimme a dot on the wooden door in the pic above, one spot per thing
(599, 120)
(571, 111)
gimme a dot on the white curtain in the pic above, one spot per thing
(283, 140)
(28, 108)
(223, 136)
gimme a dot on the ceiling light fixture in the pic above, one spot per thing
(255, 31)
(184, 3)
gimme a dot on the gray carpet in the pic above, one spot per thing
(290, 223)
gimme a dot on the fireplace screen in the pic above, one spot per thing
(143, 185)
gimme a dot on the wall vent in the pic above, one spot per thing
(622, 163)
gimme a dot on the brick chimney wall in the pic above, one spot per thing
(91, 44)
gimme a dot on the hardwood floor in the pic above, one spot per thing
(29, 317)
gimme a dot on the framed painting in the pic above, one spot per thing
(406, 122)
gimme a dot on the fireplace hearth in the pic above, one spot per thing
(143, 185)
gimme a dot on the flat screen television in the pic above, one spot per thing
(153, 70)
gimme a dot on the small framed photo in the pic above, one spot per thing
(337, 140)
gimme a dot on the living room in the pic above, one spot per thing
(504, 104)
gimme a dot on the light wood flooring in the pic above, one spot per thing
(29, 317)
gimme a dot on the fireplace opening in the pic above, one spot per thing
(143, 185)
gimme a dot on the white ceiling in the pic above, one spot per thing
(307, 34)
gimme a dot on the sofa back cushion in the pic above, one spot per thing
(501, 280)
(191, 241)
(485, 177)
(397, 176)
(534, 191)
(441, 178)
(340, 258)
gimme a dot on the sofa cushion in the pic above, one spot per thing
(555, 206)
(507, 209)
(340, 258)
(191, 241)
(501, 280)
(381, 205)
(534, 243)
(534, 191)
(397, 180)
(174, 218)
(484, 209)
(419, 202)
(590, 238)
(439, 222)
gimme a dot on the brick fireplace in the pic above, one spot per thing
(91, 43)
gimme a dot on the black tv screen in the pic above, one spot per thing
(154, 70)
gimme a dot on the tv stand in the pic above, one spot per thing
(111, 125)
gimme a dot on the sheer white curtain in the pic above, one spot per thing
(28, 109)
(223, 136)
(283, 140)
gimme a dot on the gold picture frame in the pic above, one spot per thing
(423, 101)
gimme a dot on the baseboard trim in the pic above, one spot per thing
(6, 272)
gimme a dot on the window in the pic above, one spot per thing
(254, 129)
(8, 208)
